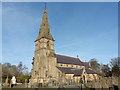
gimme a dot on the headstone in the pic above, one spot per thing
(50, 84)
(37, 85)
(6, 81)
(26, 85)
(13, 81)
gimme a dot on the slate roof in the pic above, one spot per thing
(75, 61)
(86, 64)
(70, 60)
(90, 71)
(66, 70)
(77, 72)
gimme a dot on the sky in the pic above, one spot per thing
(86, 29)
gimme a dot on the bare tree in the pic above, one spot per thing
(106, 70)
(115, 66)
(94, 64)
(20, 68)
(6, 67)
(20, 71)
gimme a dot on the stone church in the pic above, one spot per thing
(49, 67)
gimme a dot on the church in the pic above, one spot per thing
(49, 67)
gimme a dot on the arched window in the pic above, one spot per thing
(46, 73)
(48, 43)
(71, 65)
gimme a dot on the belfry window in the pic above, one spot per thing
(46, 73)
(47, 43)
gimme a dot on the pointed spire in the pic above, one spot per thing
(45, 27)
(45, 18)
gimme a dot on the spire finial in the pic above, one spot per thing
(45, 4)
(77, 56)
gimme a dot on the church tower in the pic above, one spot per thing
(44, 61)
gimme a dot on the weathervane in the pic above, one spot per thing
(45, 4)
(77, 56)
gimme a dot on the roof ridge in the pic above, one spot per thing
(68, 56)
(66, 67)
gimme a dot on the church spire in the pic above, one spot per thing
(45, 27)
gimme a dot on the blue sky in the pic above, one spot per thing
(89, 30)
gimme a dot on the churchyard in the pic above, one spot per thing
(21, 80)
(105, 82)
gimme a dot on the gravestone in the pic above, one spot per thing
(13, 81)
(26, 85)
(6, 81)
(50, 84)
(37, 85)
